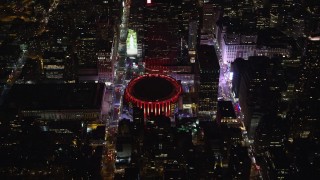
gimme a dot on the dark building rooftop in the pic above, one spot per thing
(207, 58)
(55, 96)
(273, 38)
(225, 109)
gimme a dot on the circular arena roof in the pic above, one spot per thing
(153, 88)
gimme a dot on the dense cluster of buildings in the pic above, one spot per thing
(159, 89)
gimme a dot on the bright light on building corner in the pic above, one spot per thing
(132, 43)
(315, 38)
(230, 76)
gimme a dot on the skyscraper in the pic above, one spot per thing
(209, 71)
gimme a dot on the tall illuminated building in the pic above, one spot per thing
(255, 81)
(209, 70)
(105, 65)
(240, 43)
(303, 115)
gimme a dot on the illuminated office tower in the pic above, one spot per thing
(209, 81)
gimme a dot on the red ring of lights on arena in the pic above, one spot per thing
(154, 93)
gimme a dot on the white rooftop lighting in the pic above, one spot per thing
(315, 38)
(132, 43)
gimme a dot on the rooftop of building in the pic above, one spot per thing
(225, 109)
(153, 88)
(253, 64)
(55, 96)
(207, 58)
(273, 37)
